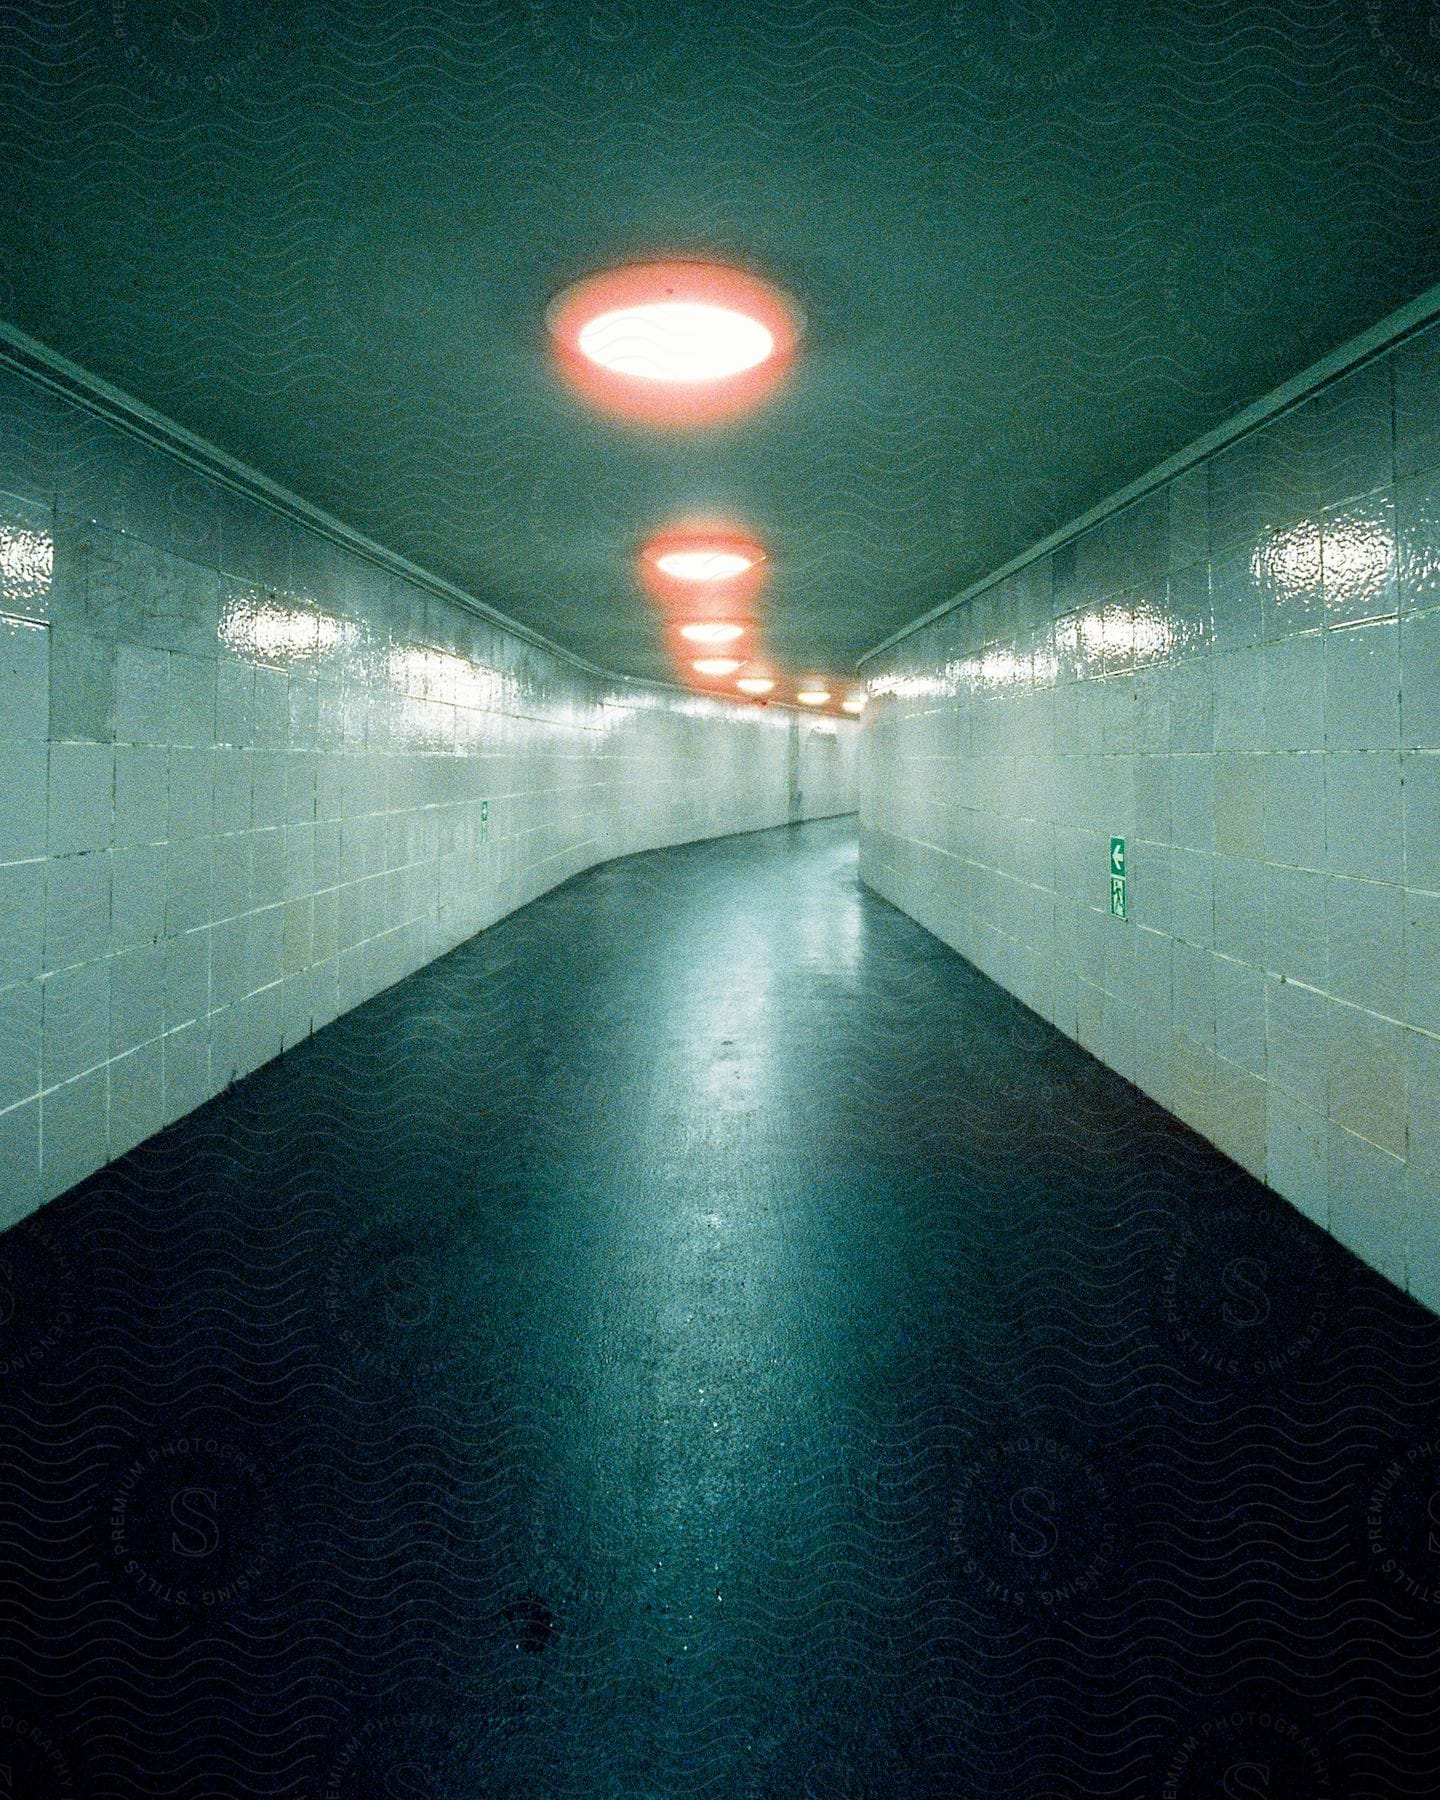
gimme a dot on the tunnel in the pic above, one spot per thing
(719, 900)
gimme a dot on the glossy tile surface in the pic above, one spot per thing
(1238, 676)
(249, 778)
(702, 1337)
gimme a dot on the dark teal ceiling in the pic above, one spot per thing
(1040, 247)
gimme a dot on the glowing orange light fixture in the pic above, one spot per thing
(855, 704)
(704, 564)
(703, 572)
(813, 696)
(712, 634)
(703, 557)
(716, 665)
(673, 343)
(755, 684)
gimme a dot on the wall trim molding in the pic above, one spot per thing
(46, 368)
(1392, 330)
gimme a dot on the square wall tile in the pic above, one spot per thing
(190, 701)
(1238, 1121)
(1297, 1155)
(1191, 612)
(24, 679)
(23, 785)
(1367, 1084)
(20, 1191)
(1365, 921)
(21, 1018)
(1359, 560)
(235, 704)
(142, 702)
(1422, 1220)
(1192, 993)
(137, 997)
(1422, 961)
(1420, 778)
(187, 885)
(187, 978)
(1295, 693)
(1297, 1042)
(1417, 535)
(1342, 437)
(77, 909)
(27, 550)
(1149, 887)
(1240, 1014)
(137, 1097)
(1362, 687)
(1240, 700)
(190, 794)
(77, 1021)
(74, 1124)
(1239, 801)
(1237, 596)
(1289, 562)
(1240, 909)
(187, 1069)
(1423, 1082)
(1297, 933)
(1364, 815)
(22, 907)
(1367, 1202)
(137, 907)
(1420, 681)
(234, 788)
(1187, 500)
(141, 793)
(1295, 810)
(1192, 802)
(82, 687)
(82, 798)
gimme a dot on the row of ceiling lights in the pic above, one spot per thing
(685, 345)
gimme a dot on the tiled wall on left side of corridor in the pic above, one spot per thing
(1240, 675)
(249, 778)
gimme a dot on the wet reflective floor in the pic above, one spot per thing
(701, 1337)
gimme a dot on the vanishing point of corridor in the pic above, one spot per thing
(702, 1337)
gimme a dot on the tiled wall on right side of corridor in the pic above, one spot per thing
(1240, 674)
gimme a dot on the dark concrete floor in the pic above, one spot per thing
(702, 1338)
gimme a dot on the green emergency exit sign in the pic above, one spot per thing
(484, 821)
(1117, 877)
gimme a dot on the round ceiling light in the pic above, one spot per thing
(813, 696)
(673, 343)
(855, 704)
(755, 684)
(703, 569)
(704, 565)
(716, 665)
(676, 340)
(712, 634)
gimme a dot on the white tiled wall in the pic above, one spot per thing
(248, 778)
(1239, 674)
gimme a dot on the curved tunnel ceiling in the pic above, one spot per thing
(1039, 248)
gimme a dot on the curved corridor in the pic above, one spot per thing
(701, 1337)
